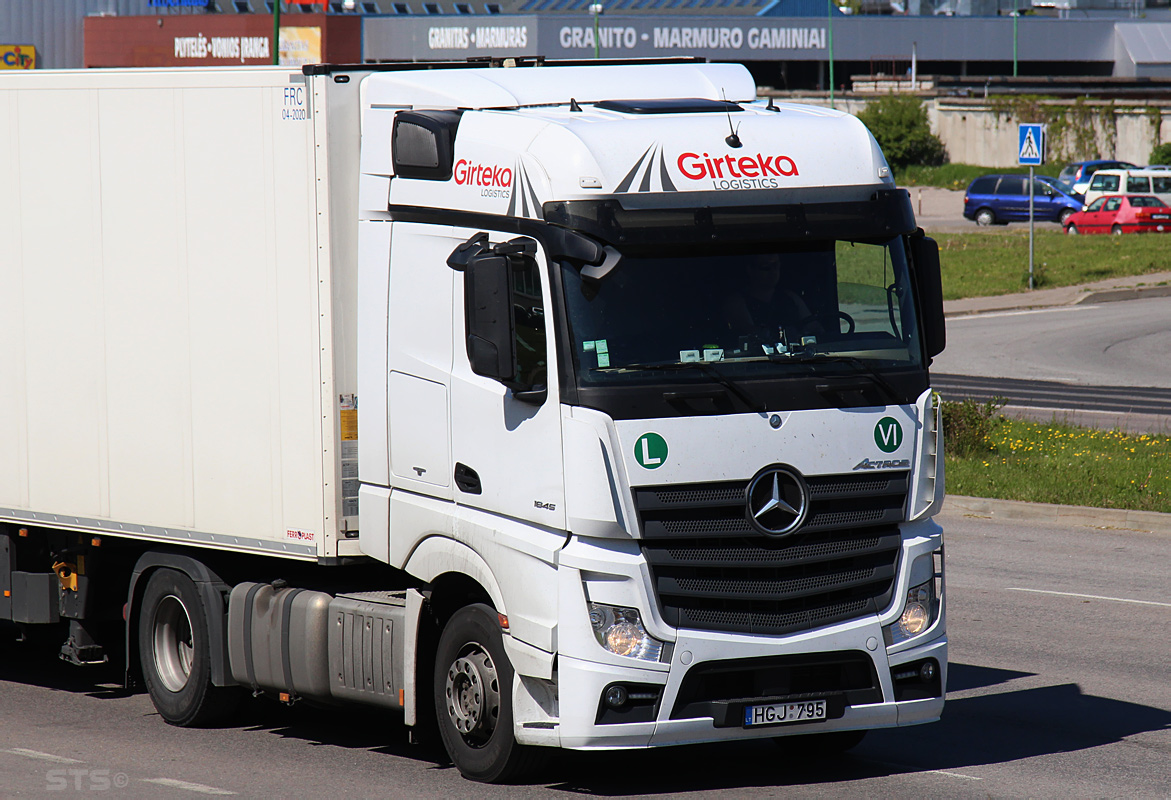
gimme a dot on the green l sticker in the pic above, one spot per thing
(888, 434)
(650, 451)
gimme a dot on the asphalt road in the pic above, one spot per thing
(1112, 344)
(1060, 686)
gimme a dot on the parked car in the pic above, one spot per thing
(1135, 213)
(1129, 181)
(999, 199)
(1076, 176)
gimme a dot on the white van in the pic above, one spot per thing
(1130, 181)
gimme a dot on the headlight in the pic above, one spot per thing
(921, 609)
(620, 631)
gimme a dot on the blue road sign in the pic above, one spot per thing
(1031, 145)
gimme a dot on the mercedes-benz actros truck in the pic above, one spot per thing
(579, 405)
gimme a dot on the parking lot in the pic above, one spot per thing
(942, 211)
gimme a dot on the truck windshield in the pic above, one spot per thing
(770, 312)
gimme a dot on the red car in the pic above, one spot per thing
(1131, 213)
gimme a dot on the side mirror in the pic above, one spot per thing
(489, 312)
(929, 287)
(491, 340)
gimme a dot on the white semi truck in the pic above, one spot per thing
(578, 405)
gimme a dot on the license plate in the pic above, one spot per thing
(781, 713)
(1160, 216)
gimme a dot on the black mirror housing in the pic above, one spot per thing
(491, 341)
(929, 287)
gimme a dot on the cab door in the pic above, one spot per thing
(506, 434)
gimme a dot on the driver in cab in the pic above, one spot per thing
(766, 306)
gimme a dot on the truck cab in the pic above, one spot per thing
(643, 368)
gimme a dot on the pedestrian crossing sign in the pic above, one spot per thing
(1031, 149)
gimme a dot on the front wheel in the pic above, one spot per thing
(175, 653)
(1066, 213)
(1072, 230)
(473, 699)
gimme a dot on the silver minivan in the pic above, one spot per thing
(1130, 181)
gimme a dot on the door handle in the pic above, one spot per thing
(467, 480)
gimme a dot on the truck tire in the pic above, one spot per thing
(175, 653)
(473, 699)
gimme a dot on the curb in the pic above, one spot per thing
(1116, 518)
(1136, 293)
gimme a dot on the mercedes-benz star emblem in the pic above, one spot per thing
(777, 501)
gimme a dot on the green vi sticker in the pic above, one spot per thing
(888, 434)
(650, 451)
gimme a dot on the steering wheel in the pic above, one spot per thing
(841, 315)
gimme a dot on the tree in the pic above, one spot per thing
(899, 123)
(1161, 154)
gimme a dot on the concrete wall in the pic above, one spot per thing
(975, 132)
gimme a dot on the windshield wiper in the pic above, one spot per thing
(868, 371)
(708, 368)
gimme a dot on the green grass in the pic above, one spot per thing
(1066, 464)
(958, 176)
(984, 264)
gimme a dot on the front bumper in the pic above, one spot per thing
(866, 682)
(583, 683)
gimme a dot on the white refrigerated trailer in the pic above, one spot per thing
(570, 405)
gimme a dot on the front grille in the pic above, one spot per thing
(713, 570)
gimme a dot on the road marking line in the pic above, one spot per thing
(1092, 597)
(37, 754)
(974, 315)
(921, 771)
(954, 775)
(191, 787)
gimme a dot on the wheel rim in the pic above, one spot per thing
(473, 695)
(174, 649)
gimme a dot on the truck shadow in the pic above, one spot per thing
(992, 723)
(991, 728)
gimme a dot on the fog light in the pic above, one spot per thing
(620, 631)
(927, 672)
(616, 696)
